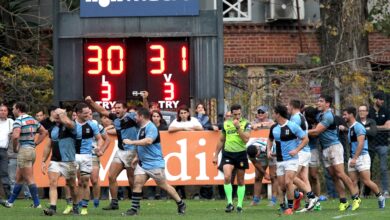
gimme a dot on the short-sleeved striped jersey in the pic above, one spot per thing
(29, 127)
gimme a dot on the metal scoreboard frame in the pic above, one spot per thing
(178, 58)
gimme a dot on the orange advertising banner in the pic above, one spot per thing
(188, 158)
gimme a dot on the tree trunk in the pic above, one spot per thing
(343, 37)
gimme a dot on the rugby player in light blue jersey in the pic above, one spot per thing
(62, 161)
(23, 139)
(85, 131)
(302, 178)
(359, 163)
(333, 152)
(149, 163)
(310, 115)
(289, 140)
(96, 161)
(126, 128)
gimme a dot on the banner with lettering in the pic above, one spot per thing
(188, 158)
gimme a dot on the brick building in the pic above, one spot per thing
(268, 37)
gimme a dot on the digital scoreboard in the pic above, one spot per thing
(120, 69)
(113, 50)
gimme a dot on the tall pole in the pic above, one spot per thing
(56, 12)
(299, 27)
(220, 98)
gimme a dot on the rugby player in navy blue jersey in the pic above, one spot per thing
(23, 139)
(149, 163)
(62, 147)
(302, 178)
(126, 128)
(85, 131)
(289, 140)
(333, 152)
(96, 162)
(359, 162)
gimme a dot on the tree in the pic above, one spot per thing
(22, 31)
(379, 16)
(21, 82)
(21, 38)
(344, 41)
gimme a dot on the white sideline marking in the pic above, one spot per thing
(346, 215)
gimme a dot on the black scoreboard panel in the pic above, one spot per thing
(117, 69)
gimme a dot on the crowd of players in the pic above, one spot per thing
(72, 147)
(295, 134)
(299, 137)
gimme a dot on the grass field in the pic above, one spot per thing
(199, 209)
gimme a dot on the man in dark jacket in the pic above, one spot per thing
(381, 115)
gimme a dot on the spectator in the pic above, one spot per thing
(40, 116)
(184, 122)
(382, 118)
(203, 118)
(5, 137)
(262, 119)
(168, 116)
(157, 119)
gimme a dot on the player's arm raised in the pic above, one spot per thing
(96, 107)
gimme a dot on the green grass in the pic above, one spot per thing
(199, 209)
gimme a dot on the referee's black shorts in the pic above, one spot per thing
(238, 159)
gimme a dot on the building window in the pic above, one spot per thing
(237, 10)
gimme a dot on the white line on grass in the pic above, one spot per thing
(342, 216)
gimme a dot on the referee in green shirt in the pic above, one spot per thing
(235, 134)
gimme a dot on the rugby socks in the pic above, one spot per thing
(180, 203)
(274, 199)
(229, 192)
(75, 207)
(290, 203)
(96, 203)
(240, 195)
(15, 193)
(356, 196)
(34, 193)
(53, 207)
(310, 195)
(114, 202)
(135, 201)
(343, 200)
(296, 194)
(256, 199)
(69, 201)
(84, 203)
